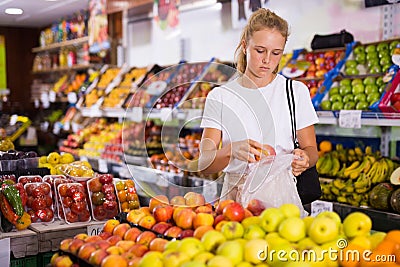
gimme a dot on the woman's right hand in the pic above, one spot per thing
(245, 150)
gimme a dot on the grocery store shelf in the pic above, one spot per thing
(60, 69)
(55, 46)
(367, 118)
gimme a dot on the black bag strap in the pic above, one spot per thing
(292, 110)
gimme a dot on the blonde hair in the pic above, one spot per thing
(259, 20)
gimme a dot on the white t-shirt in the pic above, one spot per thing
(259, 114)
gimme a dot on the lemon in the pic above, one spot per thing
(53, 158)
(67, 158)
(43, 159)
(86, 164)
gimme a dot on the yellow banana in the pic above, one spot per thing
(362, 182)
(320, 162)
(368, 150)
(335, 167)
(371, 173)
(340, 173)
(362, 190)
(352, 167)
(349, 189)
(335, 191)
(339, 184)
(384, 172)
(378, 173)
(326, 167)
(341, 199)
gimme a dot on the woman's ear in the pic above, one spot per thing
(244, 47)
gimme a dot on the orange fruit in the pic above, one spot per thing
(325, 146)
(394, 236)
(349, 256)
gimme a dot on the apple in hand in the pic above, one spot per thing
(356, 224)
(323, 229)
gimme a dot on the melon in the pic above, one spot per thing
(395, 176)
(379, 196)
(395, 200)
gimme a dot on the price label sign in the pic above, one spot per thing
(94, 229)
(52, 96)
(136, 114)
(319, 206)
(166, 114)
(103, 166)
(350, 118)
(84, 158)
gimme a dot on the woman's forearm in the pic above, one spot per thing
(213, 161)
(312, 153)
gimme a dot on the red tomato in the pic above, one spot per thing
(34, 217)
(99, 213)
(38, 204)
(84, 216)
(109, 205)
(78, 207)
(71, 217)
(45, 188)
(38, 192)
(71, 190)
(29, 189)
(78, 196)
(48, 200)
(67, 202)
(62, 190)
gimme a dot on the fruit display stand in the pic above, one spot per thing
(49, 235)
(22, 243)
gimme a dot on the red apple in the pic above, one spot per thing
(158, 200)
(97, 257)
(110, 225)
(218, 218)
(64, 244)
(114, 239)
(85, 250)
(145, 238)
(395, 97)
(204, 209)
(132, 234)
(203, 219)
(234, 212)
(139, 249)
(121, 229)
(255, 206)
(75, 245)
(158, 244)
(93, 238)
(173, 231)
(161, 227)
(147, 221)
(163, 213)
(221, 205)
(105, 235)
(102, 244)
(184, 218)
(186, 233)
(125, 244)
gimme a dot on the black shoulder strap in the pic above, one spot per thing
(292, 110)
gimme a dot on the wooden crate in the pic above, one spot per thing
(49, 235)
(22, 243)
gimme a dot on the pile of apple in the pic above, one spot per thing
(321, 62)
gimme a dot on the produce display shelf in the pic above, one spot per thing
(49, 235)
(367, 118)
(66, 68)
(22, 243)
(49, 47)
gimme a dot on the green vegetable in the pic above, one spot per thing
(12, 195)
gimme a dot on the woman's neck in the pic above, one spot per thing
(252, 82)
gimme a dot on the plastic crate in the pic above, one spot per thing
(24, 262)
(43, 259)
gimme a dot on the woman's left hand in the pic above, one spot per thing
(300, 163)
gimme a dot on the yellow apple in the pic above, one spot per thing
(273, 239)
(323, 229)
(244, 264)
(193, 264)
(270, 219)
(232, 249)
(376, 238)
(356, 224)
(290, 210)
(232, 230)
(305, 244)
(203, 256)
(151, 259)
(292, 229)
(308, 220)
(219, 261)
(250, 221)
(190, 246)
(175, 258)
(255, 251)
(253, 231)
(212, 239)
(330, 214)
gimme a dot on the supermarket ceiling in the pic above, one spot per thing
(38, 13)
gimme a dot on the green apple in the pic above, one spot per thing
(273, 239)
(344, 82)
(256, 251)
(284, 254)
(253, 231)
(351, 105)
(356, 81)
(376, 238)
(371, 88)
(373, 97)
(172, 245)
(345, 90)
(246, 222)
(382, 46)
(383, 54)
(323, 229)
(270, 219)
(360, 58)
(357, 224)
(386, 67)
(372, 55)
(360, 97)
(361, 241)
(305, 244)
(212, 239)
(290, 210)
(232, 249)
(191, 246)
(359, 49)
(193, 263)
(308, 220)
(326, 105)
(292, 229)
(375, 69)
(152, 258)
(175, 258)
(336, 98)
(348, 98)
(369, 80)
(351, 63)
(357, 88)
(385, 61)
(337, 105)
(232, 230)
(333, 91)
(362, 105)
(372, 62)
(393, 44)
(203, 256)
(379, 81)
(218, 261)
(382, 88)
(351, 71)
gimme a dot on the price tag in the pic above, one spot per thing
(56, 129)
(52, 96)
(350, 118)
(5, 252)
(136, 114)
(319, 206)
(103, 166)
(66, 126)
(72, 98)
(156, 88)
(13, 119)
(84, 158)
(166, 114)
(44, 98)
(94, 229)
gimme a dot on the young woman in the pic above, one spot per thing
(252, 110)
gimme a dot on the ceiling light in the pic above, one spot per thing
(14, 11)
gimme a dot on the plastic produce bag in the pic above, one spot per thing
(271, 181)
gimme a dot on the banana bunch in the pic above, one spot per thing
(381, 170)
(357, 167)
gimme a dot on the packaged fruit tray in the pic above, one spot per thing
(102, 197)
(128, 198)
(370, 58)
(73, 201)
(391, 100)
(39, 204)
